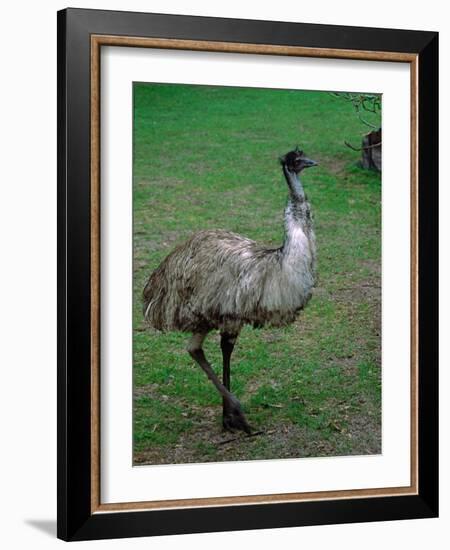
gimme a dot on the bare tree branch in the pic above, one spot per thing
(367, 123)
(365, 148)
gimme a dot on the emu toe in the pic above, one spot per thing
(234, 418)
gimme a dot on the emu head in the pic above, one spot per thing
(296, 161)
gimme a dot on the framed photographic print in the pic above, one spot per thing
(247, 252)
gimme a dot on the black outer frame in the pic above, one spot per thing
(75, 521)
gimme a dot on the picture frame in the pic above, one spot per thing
(81, 35)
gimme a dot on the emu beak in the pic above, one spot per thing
(309, 162)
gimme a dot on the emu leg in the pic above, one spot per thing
(227, 342)
(235, 416)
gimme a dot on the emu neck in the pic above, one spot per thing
(296, 190)
(299, 237)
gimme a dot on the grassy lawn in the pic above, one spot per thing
(205, 158)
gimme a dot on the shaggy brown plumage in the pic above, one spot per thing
(220, 280)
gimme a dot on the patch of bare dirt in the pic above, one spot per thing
(165, 181)
(148, 390)
(338, 166)
(347, 365)
(253, 386)
(361, 437)
(365, 431)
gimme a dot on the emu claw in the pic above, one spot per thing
(234, 418)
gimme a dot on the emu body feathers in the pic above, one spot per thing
(220, 280)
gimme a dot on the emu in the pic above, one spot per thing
(219, 280)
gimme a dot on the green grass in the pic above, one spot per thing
(206, 157)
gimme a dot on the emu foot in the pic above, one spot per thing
(234, 418)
